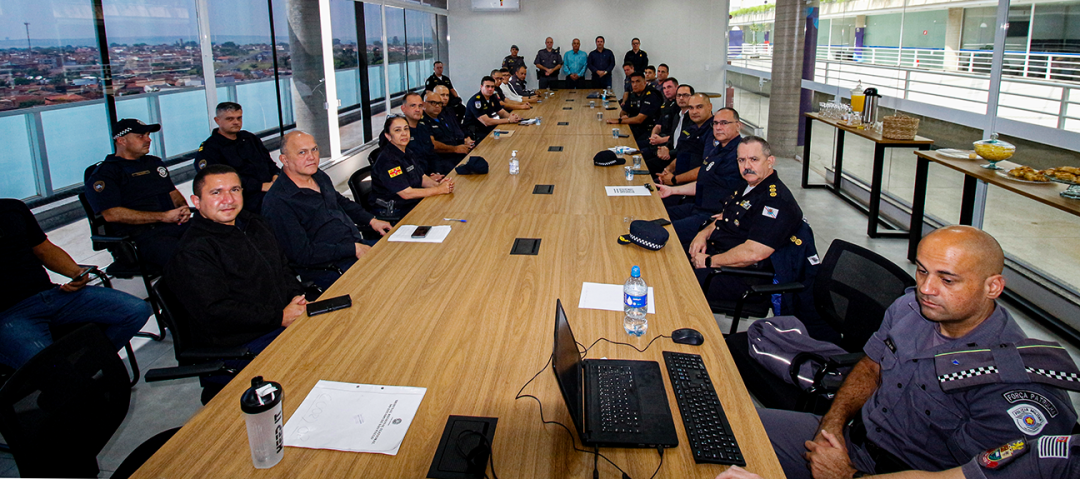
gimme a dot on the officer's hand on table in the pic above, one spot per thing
(296, 307)
(436, 177)
(446, 186)
(666, 178)
(612, 122)
(663, 153)
(462, 149)
(829, 461)
(378, 225)
(514, 118)
(361, 249)
(736, 472)
(470, 142)
(665, 191)
(178, 215)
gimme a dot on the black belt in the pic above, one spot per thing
(885, 462)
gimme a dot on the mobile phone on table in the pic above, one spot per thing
(327, 305)
(421, 231)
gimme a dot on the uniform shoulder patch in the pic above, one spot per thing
(770, 212)
(1028, 418)
(202, 163)
(99, 186)
(1056, 447)
(1018, 395)
(163, 172)
(1000, 456)
(395, 171)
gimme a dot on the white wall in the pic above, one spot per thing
(684, 34)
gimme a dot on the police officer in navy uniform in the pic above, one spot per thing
(640, 110)
(420, 148)
(637, 56)
(484, 111)
(754, 222)
(449, 141)
(948, 375)
(133, 192)
(398, 183)
(438, 79)
(691, 140)
(513, 60)
(229, 144)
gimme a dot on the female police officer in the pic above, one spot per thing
(398, 183)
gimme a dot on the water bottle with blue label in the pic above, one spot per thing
(635, 303)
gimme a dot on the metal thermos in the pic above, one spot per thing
(870, 105)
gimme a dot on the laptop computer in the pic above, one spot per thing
(614, 403)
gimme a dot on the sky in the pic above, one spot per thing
(73, 19)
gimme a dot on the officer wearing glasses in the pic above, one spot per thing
(451, 144)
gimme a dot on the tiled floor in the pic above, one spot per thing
(159, 406)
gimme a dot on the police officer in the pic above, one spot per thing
(133, 192)
(636, 56)
(948, 374)
(448, 140)
(484, 111)
(438, 79)
(420, 148)
(690, 140)
(229, 144)
(548, 62)
(628, 71)
(754, 222)
(398, 183)
(513, 60)
(716, 180)
(672, 113)
(449, 115)
(640, 110)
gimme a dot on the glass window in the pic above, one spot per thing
(395, 42)
(244, 61)
(419, 48)
(375, 54)
(17, 160)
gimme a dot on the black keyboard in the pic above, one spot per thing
(619, 409)
(707, 427)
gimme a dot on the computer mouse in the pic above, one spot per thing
(687, 336)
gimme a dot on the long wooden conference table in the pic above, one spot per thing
(472, 323)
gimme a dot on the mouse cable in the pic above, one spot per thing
(573, 444)
(659, 449)
(624, 344)
(487, 443)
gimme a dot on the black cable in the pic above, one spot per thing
(623, 344)
(486, 442)
(659, 449)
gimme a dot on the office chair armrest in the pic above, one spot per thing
(744, 271)
(763, 289)
(108, 239)
(201, 354)
(846, 360)
(101, 276)
(178, 372)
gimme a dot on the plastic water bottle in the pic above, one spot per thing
(635, 303)
(515, 166)
(261, 405)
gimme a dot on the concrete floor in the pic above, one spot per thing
(159, 406)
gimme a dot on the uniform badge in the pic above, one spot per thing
(1054, 447)
(772, 194)
(770, 212)
(997, 457)
(99, 186)
(814, 259)
(201, 147)
(395, 171)
(1029, 419)
(163, 172)
(1018, 395)
(709, 166)
(736, 222)
(745, 204)
(478, 105)
(202, 163)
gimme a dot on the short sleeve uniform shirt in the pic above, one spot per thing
(768, 214)
(142, 185)
(478, 106)
(393, 172)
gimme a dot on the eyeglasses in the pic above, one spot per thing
(725, 122)
(436, 103)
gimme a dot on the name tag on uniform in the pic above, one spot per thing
(410, 168)
(140, 173)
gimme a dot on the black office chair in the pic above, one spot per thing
(59, 410)
(360, 185)
(141, 454)
(853, 289)
(193, 361)
(127, 263)
(792, 277)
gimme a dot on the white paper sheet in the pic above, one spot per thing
(354, 417)
(608, 297)
(627, 190)
(436, 235)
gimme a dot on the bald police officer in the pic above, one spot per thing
(948, 375)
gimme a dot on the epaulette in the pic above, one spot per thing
(1026, 361)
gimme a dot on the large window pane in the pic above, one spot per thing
(17, 160)
(374, 48)
(76, 137)
(346, 51)
(244, 60)
(395, 42)
(419, 39)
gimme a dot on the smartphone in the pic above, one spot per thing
(640, 172)
(328, 305)
(421, 231)
(81, 275)
(624, 136)
(661, 222)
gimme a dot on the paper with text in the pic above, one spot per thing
(627, 190)
(354, 417)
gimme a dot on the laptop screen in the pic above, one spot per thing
(566, 363)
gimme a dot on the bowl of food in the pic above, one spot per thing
(994, 150)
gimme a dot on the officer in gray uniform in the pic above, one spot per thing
(948, 375)
(548, 62)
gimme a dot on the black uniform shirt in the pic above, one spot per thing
(512, 63)
(718, 176)
(19, 234)
(692, 142)
(247, 155)
(141, 185)
(450, 119)
(434, 81)
(768, 215)
(443, 132)
(393, 172)
(668, 117)
(479, 106)
(645, 103)
(420, 148)
(639, 59)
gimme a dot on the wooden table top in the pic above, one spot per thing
(473, 324)
(1046, 193)
(871, 134)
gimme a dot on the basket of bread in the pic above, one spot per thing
(899, 127)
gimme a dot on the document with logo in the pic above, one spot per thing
(608, 297)
(404, 234)
(627, 191)
(354, 417)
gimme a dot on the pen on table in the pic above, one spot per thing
(453, 219)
